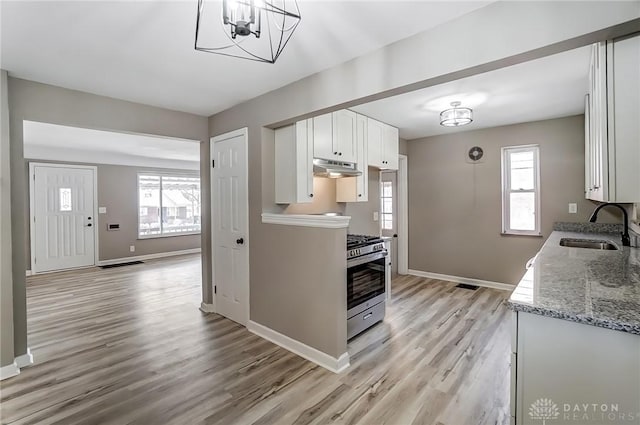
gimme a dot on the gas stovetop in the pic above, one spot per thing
(358, 245)
(357, 241)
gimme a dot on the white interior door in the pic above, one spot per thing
(62, 217)
(230, 223)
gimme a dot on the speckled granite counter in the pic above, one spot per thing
(595, 287)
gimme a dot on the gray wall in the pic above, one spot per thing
(455, 207)
(6, 285)
(118, 192)
(44, 103)
(300, 295)
(395, 69)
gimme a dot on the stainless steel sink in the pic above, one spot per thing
(587, 243)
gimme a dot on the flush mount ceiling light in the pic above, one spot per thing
(257, 30)
(456, 116)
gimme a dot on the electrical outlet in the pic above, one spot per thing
(132, 248)
(573, 208)
(375, 216)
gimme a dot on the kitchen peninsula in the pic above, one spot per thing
(573, 301)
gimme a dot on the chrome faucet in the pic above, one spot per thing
(626, 241)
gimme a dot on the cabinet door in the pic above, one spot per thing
(304, 161)
(390, 148)
(362, 181)
(587, 147)
(294, 163)
(375, 134)
(344, 135)
(356, 189)
(598, 120)
(323, 137)
(623, 70)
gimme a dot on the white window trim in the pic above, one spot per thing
(164, 174)
(506, 189)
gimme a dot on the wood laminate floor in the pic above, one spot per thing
(129, 346)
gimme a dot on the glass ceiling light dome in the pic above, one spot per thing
(456, 116)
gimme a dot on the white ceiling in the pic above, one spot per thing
(546, 88)
(58, 142)
(143, 51)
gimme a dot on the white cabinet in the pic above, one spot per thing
(572, 364)
(356, 189)
(294, 163)
(382, 145)
(344, 135)
(390, 147)
(334, 136)
(322, 136)
(612, 137)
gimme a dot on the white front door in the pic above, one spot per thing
(62, 217)
(230, 223)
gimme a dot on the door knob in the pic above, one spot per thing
(88, 218)
(240, 241)
(89, 225)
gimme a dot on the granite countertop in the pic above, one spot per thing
(595, 287)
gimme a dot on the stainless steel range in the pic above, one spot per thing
(365, 282)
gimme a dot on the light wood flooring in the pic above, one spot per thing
(129, 346)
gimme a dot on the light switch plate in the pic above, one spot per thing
(573, 208)
(102, 210)
(375, 216)
(132, 248)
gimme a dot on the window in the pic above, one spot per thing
(168, 205)
(65, 199)
(521, 190)
(387, 205)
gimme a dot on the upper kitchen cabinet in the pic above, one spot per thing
(334, 136)
(294, 163)
(612, 136)
(382, 145)
(356, 189)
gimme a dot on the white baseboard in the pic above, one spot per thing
(9, 371)
(335, 365)
(147, 257)
(28, 273)
(467, 280)
(207, 308)
(25, 359)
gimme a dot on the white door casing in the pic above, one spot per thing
(403, 215)
(230, 225)
(63, 216)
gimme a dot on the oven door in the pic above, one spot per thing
(365, 282)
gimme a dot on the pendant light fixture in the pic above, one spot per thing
(257, 30)
(456, 116)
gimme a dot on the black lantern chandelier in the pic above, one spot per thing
(257, 30)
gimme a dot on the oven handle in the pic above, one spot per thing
(367, 258)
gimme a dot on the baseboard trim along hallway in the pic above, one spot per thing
(207, 308)
(467, 280)
(9, 371)
(148, 257)
(335, 365)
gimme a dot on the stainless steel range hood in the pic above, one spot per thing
(334, 169)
